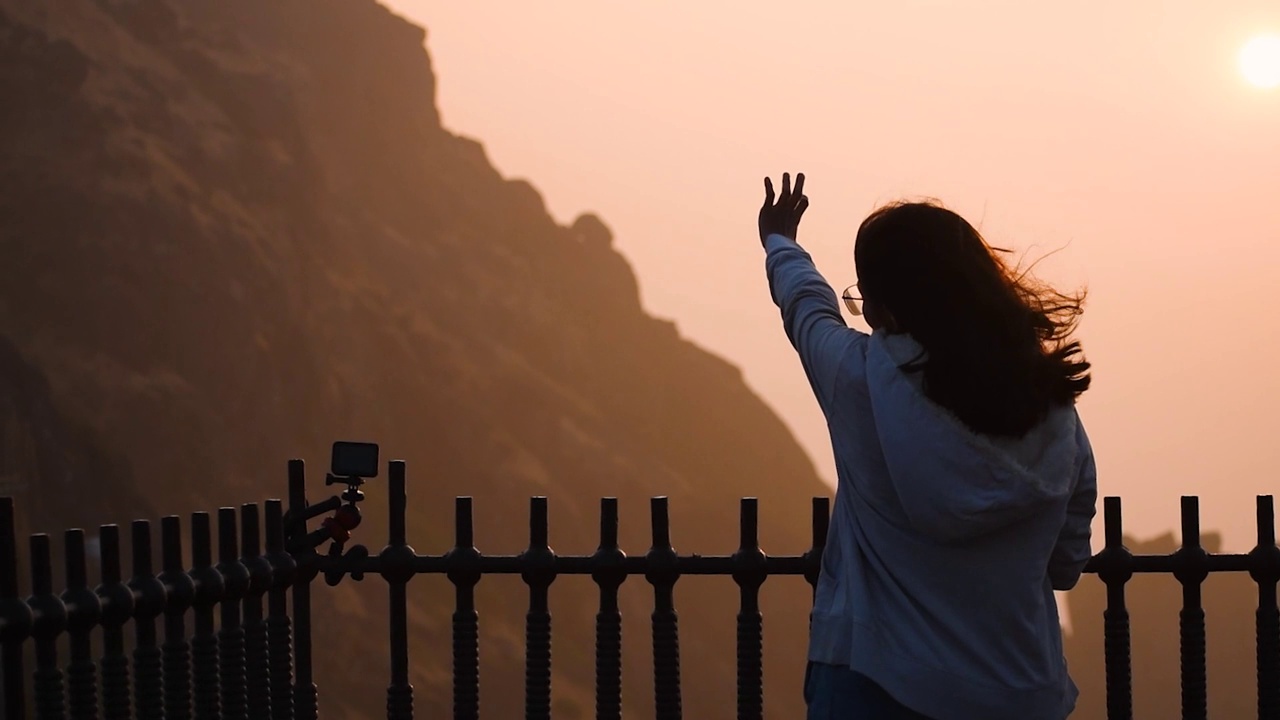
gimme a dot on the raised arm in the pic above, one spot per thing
(810, 313)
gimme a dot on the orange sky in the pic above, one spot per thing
(1121, 132)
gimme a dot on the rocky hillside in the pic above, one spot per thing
(232, 231)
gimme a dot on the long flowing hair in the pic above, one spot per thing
(998, 351)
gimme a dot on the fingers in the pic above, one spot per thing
(801, 206)
(789, 197)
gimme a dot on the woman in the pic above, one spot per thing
(966, 481)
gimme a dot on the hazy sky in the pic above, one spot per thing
(1122, 133)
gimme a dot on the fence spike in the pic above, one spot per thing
(1190, 521)
(1113, 522)
(465, 531)
(539, 535)
(397, 501)
(749, 524)
(609, 522)
(8, 550)
(660, 519)
(1266, 520)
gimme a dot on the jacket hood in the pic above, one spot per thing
(953, 483)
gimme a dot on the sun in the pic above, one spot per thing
(1260, 61)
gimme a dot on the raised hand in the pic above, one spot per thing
(783, 217)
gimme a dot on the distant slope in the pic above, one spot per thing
(233, 231)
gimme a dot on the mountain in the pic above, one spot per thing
(233, 231)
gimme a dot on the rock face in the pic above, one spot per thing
(232, 231)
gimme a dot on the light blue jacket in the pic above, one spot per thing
(945, 546)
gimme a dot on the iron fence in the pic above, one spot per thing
(241, 660)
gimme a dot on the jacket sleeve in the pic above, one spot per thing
(1072, 550)
(810, 315)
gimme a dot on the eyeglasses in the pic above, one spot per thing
(852, 299)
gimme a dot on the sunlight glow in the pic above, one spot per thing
(1260, 61)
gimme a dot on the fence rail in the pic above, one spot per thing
(236, 660)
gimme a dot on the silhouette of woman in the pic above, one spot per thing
(966, 480)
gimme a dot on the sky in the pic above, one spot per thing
(1121, 137)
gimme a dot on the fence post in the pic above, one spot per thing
(1115, 568)
(539, 573)
(1191, 570)
(397, 569)
(50, 620)
(16, 615)
(304, 689)
(235, 585)
(257, 656)
(208, 591)
(1265, 559)
(813, 558)
(84, 611)
(180, 591)
(609, 574)
(148, 603)
(750, 574)
(464, 573)
(279, 631)
(117, 608)
(662, 574)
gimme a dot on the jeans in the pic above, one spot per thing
(833, 692)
